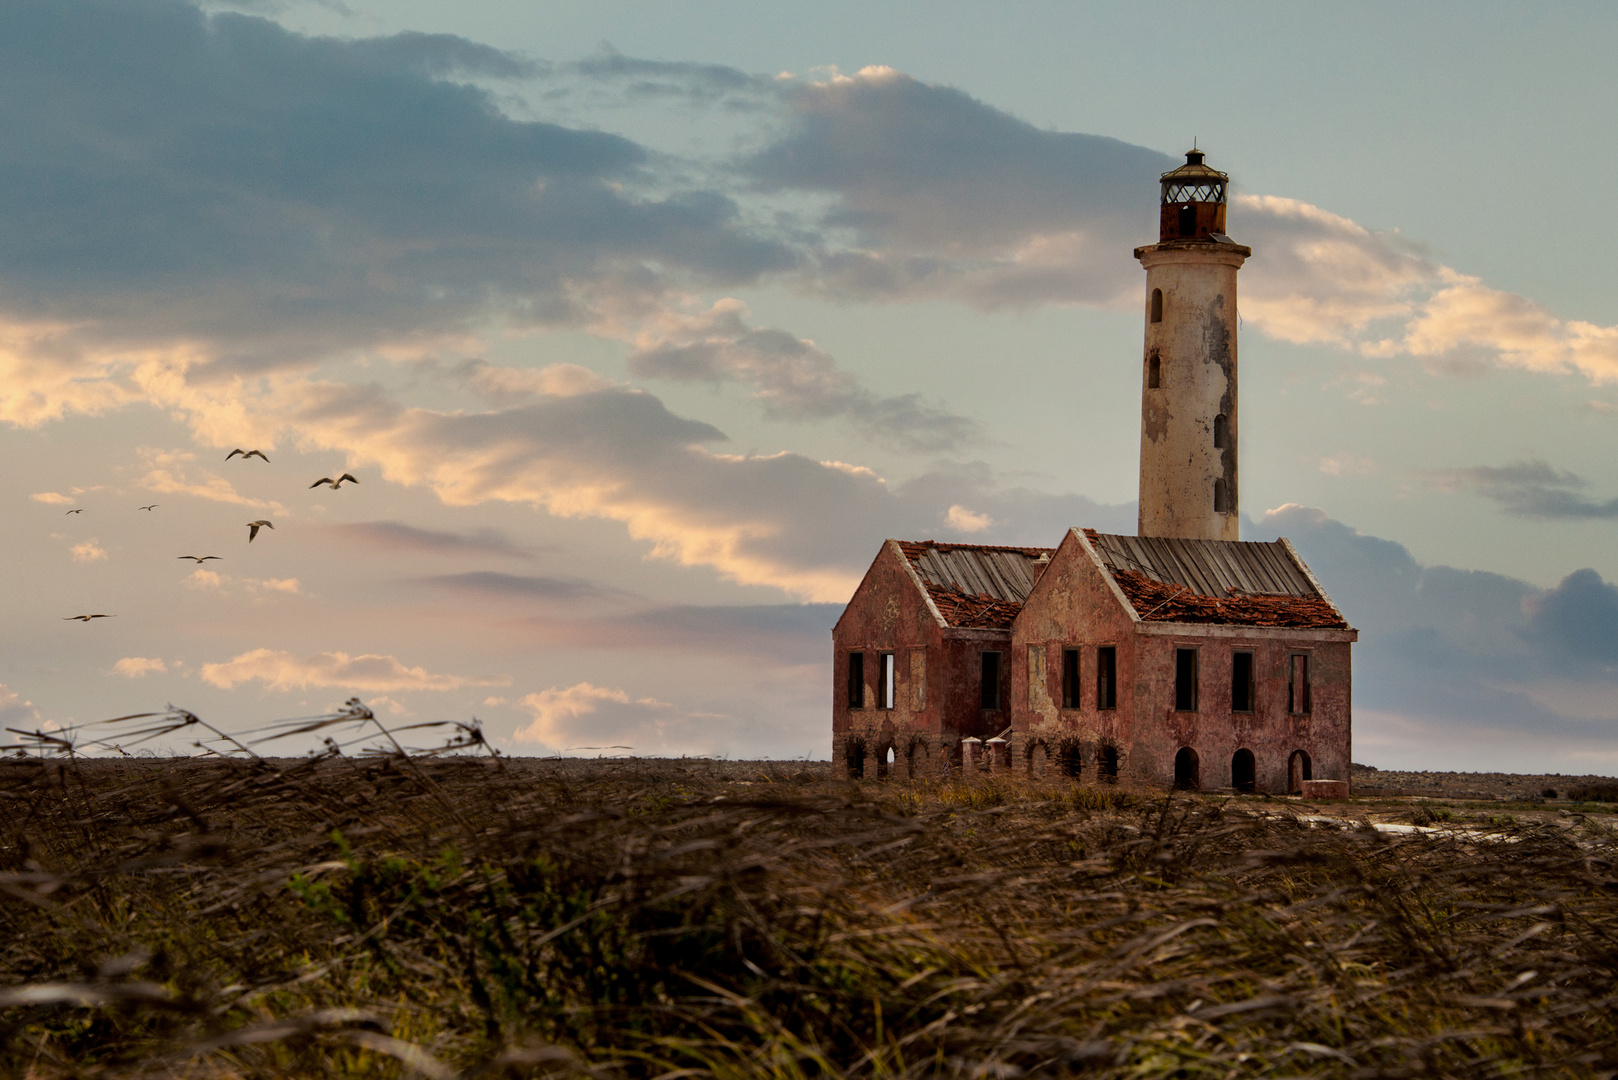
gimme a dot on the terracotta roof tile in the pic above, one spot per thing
(1160, 602)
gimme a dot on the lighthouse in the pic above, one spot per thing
(1189, 485)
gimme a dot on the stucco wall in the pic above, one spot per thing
(1196, 347)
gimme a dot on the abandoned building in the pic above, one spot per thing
(1181, 656)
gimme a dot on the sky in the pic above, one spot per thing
(640, 326)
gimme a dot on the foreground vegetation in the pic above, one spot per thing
(398, 915)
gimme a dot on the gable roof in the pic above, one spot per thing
(976, 586)
(1215, 581)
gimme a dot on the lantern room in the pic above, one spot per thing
(1193, 202)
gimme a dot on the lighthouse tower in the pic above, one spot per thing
(1188, 440)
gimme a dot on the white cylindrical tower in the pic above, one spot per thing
(1188, 440)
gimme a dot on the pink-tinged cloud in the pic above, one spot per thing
(372, 673)
(584, 711)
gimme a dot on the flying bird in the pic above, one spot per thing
(151, 507)
(80, 510)
(86, 618)
(335, 484)
(245, 454)
(253, 527)
(204, 558)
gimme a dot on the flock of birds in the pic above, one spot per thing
(252, 526)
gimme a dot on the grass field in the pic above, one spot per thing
(465, 916)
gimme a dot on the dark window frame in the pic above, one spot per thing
(1248, 687)
(1071, 686)
(1157, 305)
(1186, 678)
(1294, 668)
(1106, 677)
(887, 680)
(1154, 371)
(986, 684)
(856, 680)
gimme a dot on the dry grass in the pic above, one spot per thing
(400, 915)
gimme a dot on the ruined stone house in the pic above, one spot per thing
(1179, 656)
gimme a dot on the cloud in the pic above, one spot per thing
(168, 472)
(506, 385)
(1530, 489)
(1467, 651)
(791, 377)
(1347, 464)
(284, 585)
(585, 712)
(51, 498)
(279, 670)
(88, 551)
(201, 578)
(491, 583)
(396, 536)
(134, 667)
(964, 520)
(15, 712)
(783, 634)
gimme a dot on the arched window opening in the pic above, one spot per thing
(1221, 500)
(1187, 776)
(1107, 765)
(1243, 771)
(1188, 220)
(1154, 371)
(1070, 759)
(1157, 305)
(1298, 770)
(856, 759)
(1221, 432)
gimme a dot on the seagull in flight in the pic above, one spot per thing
(87, 618)
(335, 484)
(253, 527)
(80, 510)
(151, 507)
(204, 558)
(245, 454)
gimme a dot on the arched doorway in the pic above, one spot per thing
(1107, 765)
(884, 762)
(855, 755)
(1298, 770)
(1070, 758)
(1243, 771)
(1187, 772)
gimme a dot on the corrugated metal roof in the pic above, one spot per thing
(976, 585)
(1207, 567)
(1002, 573)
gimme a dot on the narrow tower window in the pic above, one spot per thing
(856, 680)
(1221, 499)
(1157, 305)
(1154, 371)
(1188, 221)
(1221, 432)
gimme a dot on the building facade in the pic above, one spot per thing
(1182, 656)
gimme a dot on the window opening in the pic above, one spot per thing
(1188, 221)
(1243, 771)
(1107, 765)
(1157, 305)
(990, 696)
(1241, 682)
(1070, 679)
(1107, 677)
(1187, 773)
(1154, 371)
(1221, 502)
(1298, 770)
(1298, 685)
(856, 759)
(856, 680)
(1185, 680)
(885, 681)
(1221, 432)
